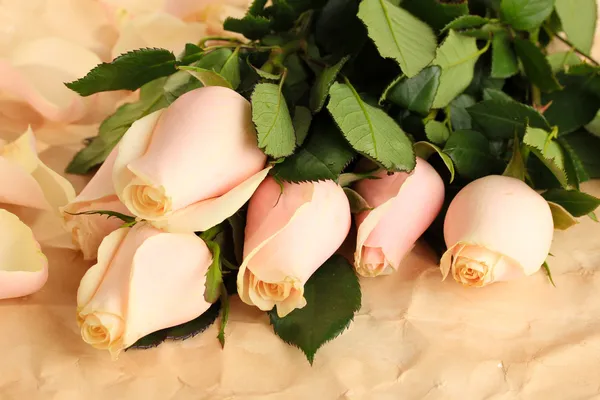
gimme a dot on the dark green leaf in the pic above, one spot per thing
(437, 132)
(215, 60)
(357, 203)
(470, 151)
(466, 22)
(252, 27)
(332, 297)
(493, 94)
(320, 90)
(426, 149)
(324, 156)
(273, 122)
(576, 172)
(338, 30)
(128, 71)
(231, 69)
(301, 122)
(526, 14)
(459, 116)
(516, 166)
(257, 7)
(499, 119)
(214, 276)
(416, 93)
(437, 13)
(586, 147)
(561, 217)
(575, 202)
(504, 59)
(370, 130)
(114, 127)
(237, 223)
(295, 84)
(536, 65)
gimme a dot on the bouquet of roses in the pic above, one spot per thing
(323, 146)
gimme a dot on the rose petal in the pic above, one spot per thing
(23, 266)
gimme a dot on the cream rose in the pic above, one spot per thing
(135, 289)
(404, 205)
(191, 166)
(289, 235)
(497, 228)
(89, 230)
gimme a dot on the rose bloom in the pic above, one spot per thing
(88, 230)
(497, 229)
(289, 235)
(134, 289)
(189, 167)
(404, 205)
(30, 193)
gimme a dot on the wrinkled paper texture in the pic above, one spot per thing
(415, 337)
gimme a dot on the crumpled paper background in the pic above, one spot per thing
(415, 337)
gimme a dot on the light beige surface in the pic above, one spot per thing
(415, 338)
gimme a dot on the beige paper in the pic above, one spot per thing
(415, 337)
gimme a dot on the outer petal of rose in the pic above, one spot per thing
(19, 187)
(368, 225)
(101, 185)
(133, 145)
(184, 8)
(157, 30)
(23, 266)
(208, 213)
(161, 296)
(57, 190)
(36, 74)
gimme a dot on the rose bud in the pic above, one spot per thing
(191, 166)
(289, 235)
(403, 207)
(497, 229)
(23, 266)
(88, 230)
(134, 289)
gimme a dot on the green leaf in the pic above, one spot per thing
(426, 149)
(536, 65)
(178, 84)
(332, 297)
(370, 130)
(548, 151)
(215, 60)
(435, 12)
(456, 56)
(114, 127)
(128, 219)
(499, 119)
(224, 315)
(436, 132)
(357, 203)
(546, 269)
(504, 59)
(574, 167)
(493, 94)
(578, 18)
(586, 147)
(593, 216)
(231, 69)
(301, 122)
(561, 60)
(320, 90)
(416, 93)
(214, 276)
(470, 152)
(272, 118)
(237, 223)
(575, 202)
(398, 35)
(179, 332)
(257, 7)
(252, 27)
(526, 15)
(466, 22)
(128, 71)
(264, 74)
(324, 156)
(594, 126)
(348, 178)
(207, 77)
(459, 116)
(516, 166)
(561, 217)
(338, 30)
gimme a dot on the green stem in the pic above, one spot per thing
(536, 95)
(571, 45)
(202, 42)
(211, 233)
(279, 54)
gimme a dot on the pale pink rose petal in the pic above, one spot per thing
(185, 8)
(17, 186)
(23, 266)
(161, 296)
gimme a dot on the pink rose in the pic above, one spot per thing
(497, 229)
(289, 235)
(189, 167)
(88, 231)
(134, 289)
(404, 205)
